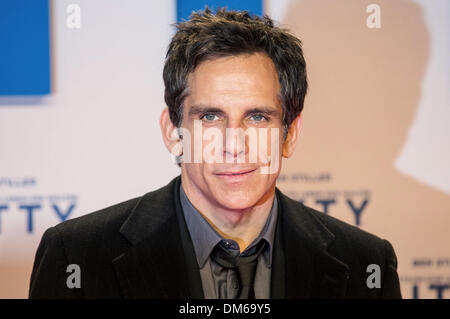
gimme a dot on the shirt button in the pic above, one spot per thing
(235, 284)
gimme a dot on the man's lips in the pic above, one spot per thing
(236, 173)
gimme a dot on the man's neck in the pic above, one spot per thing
(243, 225)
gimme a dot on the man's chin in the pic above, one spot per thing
(235, 201)
(238, 206)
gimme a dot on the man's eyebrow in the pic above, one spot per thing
(200, 110)
(264, 110)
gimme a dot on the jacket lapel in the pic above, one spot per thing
(160, 262)
(310, 270)
(157, 265)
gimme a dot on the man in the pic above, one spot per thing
(222, 229)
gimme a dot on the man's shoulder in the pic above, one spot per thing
(90, 241)
(111, 217)
(345, 235)
(348, 245)
(343, 230)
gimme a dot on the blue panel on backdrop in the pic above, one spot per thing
(185, 7)
(24, 47)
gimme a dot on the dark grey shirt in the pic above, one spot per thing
(217, 281)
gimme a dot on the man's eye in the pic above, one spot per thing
(258, 118)
(210, 117)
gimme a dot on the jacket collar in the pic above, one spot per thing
(311, 271)
(160, 262)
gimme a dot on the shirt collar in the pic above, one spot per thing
(205, 237)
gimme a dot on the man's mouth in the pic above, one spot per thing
(236, 177)
(236, 173)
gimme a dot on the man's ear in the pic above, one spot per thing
(292, 137)
(170, 134)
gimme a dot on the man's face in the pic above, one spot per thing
(233, 92)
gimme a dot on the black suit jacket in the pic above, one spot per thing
(141, 248)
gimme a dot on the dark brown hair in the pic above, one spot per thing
(206, 36)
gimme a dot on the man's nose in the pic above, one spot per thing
(235, 144)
